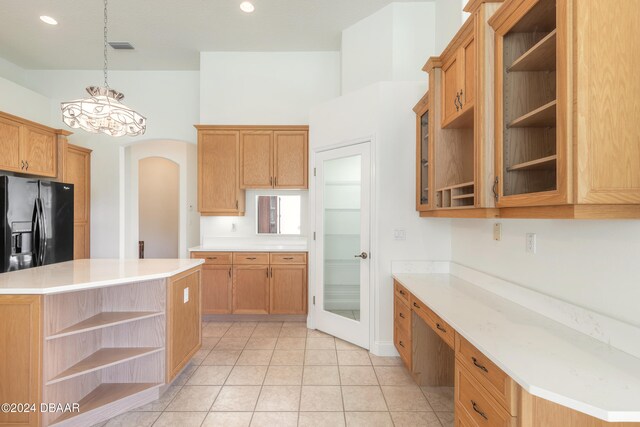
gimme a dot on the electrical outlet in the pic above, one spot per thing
(400, 234)
(497, 231)
(531, 243)
(234, 227)
(186, 295)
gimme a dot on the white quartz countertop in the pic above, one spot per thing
(545, 357)
(251, 245)
(90, 273)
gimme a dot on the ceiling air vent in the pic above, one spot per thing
(121, 45)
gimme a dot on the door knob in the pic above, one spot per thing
(363, 255)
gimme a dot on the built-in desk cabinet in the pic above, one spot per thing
(254, 282)
(485, 396)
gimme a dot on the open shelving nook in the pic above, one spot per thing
(529, 103)
(109, 355)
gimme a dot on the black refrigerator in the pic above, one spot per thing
(37, 222)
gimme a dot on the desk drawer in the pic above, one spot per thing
(438, 325)
(213, 258)
(401, 292)
(475, 402)
(499, 384)
(251, 258)
(289, 258)
(402, 341)
(402, 315)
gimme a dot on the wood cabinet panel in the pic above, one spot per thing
(9, 145)
(450, 89)
(290, 159)
(288, 289)
(251, 258)
(288, 258)
(20, 367)
(256, 159)
(39, 152)
(184, 331)
(81, 240)
(251, 289)
(212, 258)
(468, 87)
(219, 190)
(77, 171)
(217, 289)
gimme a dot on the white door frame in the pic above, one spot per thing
(314, 287)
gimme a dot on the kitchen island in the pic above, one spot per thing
(83, 341)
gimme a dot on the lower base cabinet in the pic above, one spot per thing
(251, 289)
(254, 282)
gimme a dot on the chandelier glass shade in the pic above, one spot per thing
(103, 112)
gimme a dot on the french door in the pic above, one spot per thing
(343, 189)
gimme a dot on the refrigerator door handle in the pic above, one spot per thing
(43, 233)
(37, 231)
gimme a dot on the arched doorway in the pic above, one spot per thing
(159, 207)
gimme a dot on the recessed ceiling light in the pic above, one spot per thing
(48, 20)
(247, 6)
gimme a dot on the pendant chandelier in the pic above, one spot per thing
(103, 112)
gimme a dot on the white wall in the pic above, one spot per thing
(20, 101)
(383, 111)
(169, 100)
(391, 45)
(265, 87)
(158, 206)
(449, 19)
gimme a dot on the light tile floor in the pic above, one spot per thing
(283, 374)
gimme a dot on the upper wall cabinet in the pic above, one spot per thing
(567, 135)
(219, 190)
(274, 157)
(27, 147)
(454, 131)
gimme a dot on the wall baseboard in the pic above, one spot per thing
(254, 318)
(384, 349)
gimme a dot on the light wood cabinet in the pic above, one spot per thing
(256, 159)
(288, 289)
(21, 367)
(184, 314)
(219, 190)
(77, 171)
(290, 159)
(457, 160)
(566, 131)
(254, 282)
(217, 289)
(27, 147)
(251, 289)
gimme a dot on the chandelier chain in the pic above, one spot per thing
(105, 45)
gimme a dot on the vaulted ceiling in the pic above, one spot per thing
(169, 34)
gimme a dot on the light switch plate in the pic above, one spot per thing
(186, 295)
(497, 231)
(400, 234)
(531, 243)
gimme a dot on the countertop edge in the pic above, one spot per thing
(100, 284)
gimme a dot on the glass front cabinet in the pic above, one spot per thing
(423, 198)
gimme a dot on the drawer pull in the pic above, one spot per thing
(288, 257)
(212, 257)
(401, 344)
(477, 409)
(402, 292)
(478, 365)
(416, 305)
(441, 328)
(401, 315)
(251, 257)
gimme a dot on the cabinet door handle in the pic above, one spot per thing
(401, 315)
(229, 272)
(441, 328)
(478, 410)
(275, 181)
(22, 165)
(27, 164)
(461, 103)
(237, 204)
(495, 189)
(271, 180)
(478, 365)
(416, 305)
(401, 344)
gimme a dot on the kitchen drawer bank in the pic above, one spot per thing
(254, 283)
(108, 335)
(509, 365)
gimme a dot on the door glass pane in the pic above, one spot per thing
(341, 216)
